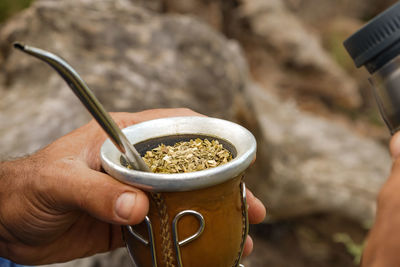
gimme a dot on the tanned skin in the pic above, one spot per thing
(59, 197)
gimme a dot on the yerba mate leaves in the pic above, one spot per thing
(187, 156)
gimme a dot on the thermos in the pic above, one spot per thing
(376, 46)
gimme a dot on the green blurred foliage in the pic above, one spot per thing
(352, 248)
(10, 7)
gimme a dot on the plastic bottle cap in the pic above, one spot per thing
(378, 41)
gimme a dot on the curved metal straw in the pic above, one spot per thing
(90, 101)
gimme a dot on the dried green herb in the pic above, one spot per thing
(187, 156)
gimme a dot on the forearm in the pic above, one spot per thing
(16, 201)
(23, 213)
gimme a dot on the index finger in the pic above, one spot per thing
(256, 209)
(125, 119)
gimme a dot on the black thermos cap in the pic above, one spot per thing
(378, 41)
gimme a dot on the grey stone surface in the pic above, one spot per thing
(131, 58)
(115, 258)
(317, 12)
(135, 58)
(294, 60)
(316, 165)
(280, 47)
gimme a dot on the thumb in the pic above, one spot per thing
(103, 197)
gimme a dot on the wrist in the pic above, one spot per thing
(11, 176)
(5, 173)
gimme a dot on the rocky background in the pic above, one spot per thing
(277, 67)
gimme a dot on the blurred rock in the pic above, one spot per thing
(135, 58)
(293, 59)
(115, 258)
(335, 31)
(173, 61)
(210, 11)
(316, 12)
(304, 242)
(279, 39)
(280, 49)
(316, 165)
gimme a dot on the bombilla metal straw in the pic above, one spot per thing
(90, 101)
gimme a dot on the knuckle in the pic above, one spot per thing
(186, 111)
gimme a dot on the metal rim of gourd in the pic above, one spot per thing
(242, 140)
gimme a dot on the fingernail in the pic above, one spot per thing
(125, 204)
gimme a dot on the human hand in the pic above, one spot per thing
(57, 205)
(383, 242)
